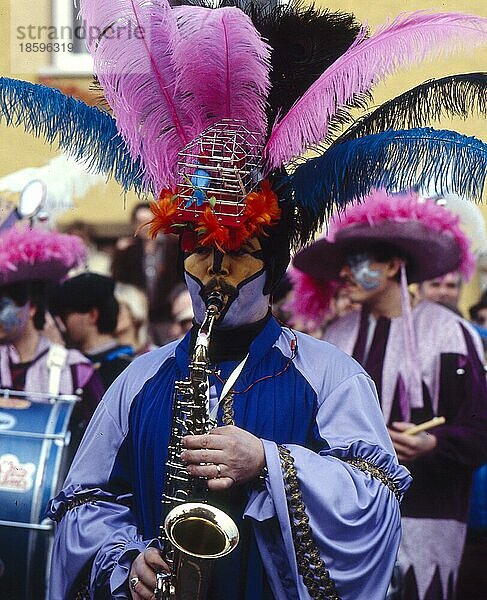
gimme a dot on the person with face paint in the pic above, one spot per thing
(426, 362)
(299, 436)
(295, 400)
(48, 394)
(31, 263)
(206, 117)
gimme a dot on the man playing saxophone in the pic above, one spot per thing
(276, 437)
(298, 407)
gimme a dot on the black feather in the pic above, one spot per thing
(453, 96)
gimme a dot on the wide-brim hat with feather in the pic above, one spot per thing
(28, 254)
(426, 235)
(208, 108)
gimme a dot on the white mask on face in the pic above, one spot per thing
(248, 306)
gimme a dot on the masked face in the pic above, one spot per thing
(240, 276)
(13, 319)
(363, 272)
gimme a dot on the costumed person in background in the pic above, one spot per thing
(88, 309)
(31, 262)
(426, 363)
(48, 396)
(190, 125)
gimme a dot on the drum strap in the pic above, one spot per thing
(56, 359)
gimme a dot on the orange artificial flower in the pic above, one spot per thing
(164, 211)
(211, 231)
(261, 209)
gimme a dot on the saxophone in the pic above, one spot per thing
(192, 532)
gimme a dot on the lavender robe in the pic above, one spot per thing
(435, 509)
(320, 404)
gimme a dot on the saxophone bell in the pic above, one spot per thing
(201, 530)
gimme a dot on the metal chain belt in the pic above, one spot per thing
(377, 473)
(310, 565)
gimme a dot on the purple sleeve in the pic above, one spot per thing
(95, 529)
(353, 514)
(463, 401)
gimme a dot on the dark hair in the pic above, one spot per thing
(108, 316)
(36, 292)
(382, 252)
(136, 208)
(86, 291)
(474, 310)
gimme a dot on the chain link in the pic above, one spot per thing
(377, 473)
(310, 564)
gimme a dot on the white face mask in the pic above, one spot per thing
(239, 275)
(248, 306)
(363, 274)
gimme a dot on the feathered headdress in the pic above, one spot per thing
(428, 234)
(32, 254)
(206, 115)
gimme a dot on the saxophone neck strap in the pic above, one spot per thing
(228, 385)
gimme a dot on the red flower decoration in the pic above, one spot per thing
(261, 210)
(211, 231)
(164, 211)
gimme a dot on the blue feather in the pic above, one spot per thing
(85, 132)
(393, 160)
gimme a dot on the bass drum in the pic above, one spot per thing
(35, 451)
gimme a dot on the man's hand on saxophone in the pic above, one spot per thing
(142, 579)
(227, 456)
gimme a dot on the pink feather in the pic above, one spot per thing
(136, 68)
(225, 63)
(409, 39)
(311, 299)
(27, 253)
(379, 206)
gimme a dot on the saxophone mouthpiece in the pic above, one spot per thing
(215, 299)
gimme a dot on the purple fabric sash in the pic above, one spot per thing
(437, 330)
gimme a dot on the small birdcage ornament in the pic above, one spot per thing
(219, 168)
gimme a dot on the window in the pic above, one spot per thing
(69, 30)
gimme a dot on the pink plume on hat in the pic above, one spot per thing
(380, 206)
(28, 254)
(311, 298)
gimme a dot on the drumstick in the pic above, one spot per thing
(425, 426)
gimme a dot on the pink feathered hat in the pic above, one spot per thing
(428, 234)
(31, 254)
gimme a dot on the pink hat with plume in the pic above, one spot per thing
(28, 254)
(427, 234)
